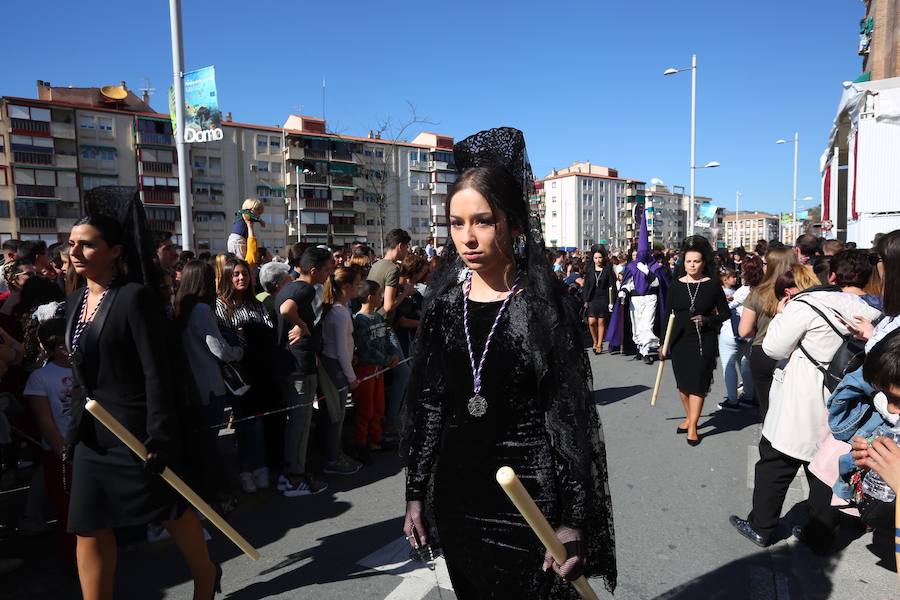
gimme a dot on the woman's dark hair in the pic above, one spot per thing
(54, 252)
(762, 246)
(37, 291)
(882, 366)
(851, 268)
(111, 231)
(412, 265)
(227, 292)
(822, 268)
(501, 190)
(888, 248)
(698, 243)
(752, 271)
(198, 285)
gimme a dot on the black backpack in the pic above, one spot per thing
(849, 356)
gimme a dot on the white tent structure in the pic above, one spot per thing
(861, 165)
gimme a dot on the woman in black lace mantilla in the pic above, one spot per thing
(500, 378)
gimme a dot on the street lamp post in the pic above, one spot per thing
(796, 142)
(694, 167)
(737, 220)
(187, 224)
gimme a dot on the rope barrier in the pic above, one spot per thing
(228, 424)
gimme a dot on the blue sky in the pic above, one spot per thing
(583, 80)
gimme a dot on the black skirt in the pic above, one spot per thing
(598, 307)
(111, 488)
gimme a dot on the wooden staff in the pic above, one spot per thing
(111, 423)
(507, 479)
(662, 359)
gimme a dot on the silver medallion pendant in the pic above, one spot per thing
(477, 405)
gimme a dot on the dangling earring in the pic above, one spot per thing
(520, 245)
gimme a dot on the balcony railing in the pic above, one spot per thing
(344, 155)
(344, 228)
(316, 178)
(160, 168)
(32, 158)
(151, 196)
(29, 126)
(36, 191)
(162, 139)
(313, 203)
(37, 223)
(160, 225)
(316, 228)
(313, 153)
(343, 205)
(342, 180)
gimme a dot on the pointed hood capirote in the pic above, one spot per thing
(560, 363)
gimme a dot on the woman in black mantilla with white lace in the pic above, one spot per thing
(500, 378)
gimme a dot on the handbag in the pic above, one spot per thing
(234, 379)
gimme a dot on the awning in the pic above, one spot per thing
(345, 168)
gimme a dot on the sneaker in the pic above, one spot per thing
(282, 483)
(307, 486)
(748, 403)
(247, 483)
(342, 466)
(261, 478)
(728, 406)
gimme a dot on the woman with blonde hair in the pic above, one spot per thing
(759, 309)
(242, 242)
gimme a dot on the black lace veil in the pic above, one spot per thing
(562, 365)
(123, 204)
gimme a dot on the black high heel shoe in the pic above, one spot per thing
(694, 442)
(681, 430)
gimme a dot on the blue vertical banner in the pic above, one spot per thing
(706, 214)
(202, 117)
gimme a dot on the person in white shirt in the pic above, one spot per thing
(48, 393)
(337, 359)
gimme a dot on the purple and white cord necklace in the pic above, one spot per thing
(478, 404)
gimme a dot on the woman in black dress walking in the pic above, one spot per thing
(499, 378)
(599, 280)
(700, 308)
(114, 333)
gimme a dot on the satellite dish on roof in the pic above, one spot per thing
(114, 92)
(656, 181)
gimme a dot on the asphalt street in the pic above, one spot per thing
(671, 503)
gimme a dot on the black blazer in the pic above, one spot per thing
(123, 364)
(599, 290)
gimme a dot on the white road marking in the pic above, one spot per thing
(418, 580)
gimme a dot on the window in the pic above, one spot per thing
(86, 122)
(379, 154)
(262, 144)
(89, 153)
(105, 124)
(199, 162)
(2, 144)
(4, 209)
(23, 176)
(18, 112)
(40, 114)
(215, 165)
(553, 184)
(108, 154)
(275, 167)
(66, 179)
(4, 177)
(45, 177)
(262, 166)
(165, 156)
(274, 144)
(89, 182)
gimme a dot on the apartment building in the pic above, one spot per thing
(587, 204)
(879, 40)
(747, 228)
(343, 188)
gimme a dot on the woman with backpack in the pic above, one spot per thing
(808, 329)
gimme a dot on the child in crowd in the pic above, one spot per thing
(337, 360)
(375, 352)
(728, 348)
(242, 230)
(49, 394)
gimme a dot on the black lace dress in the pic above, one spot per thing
(490, 551)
